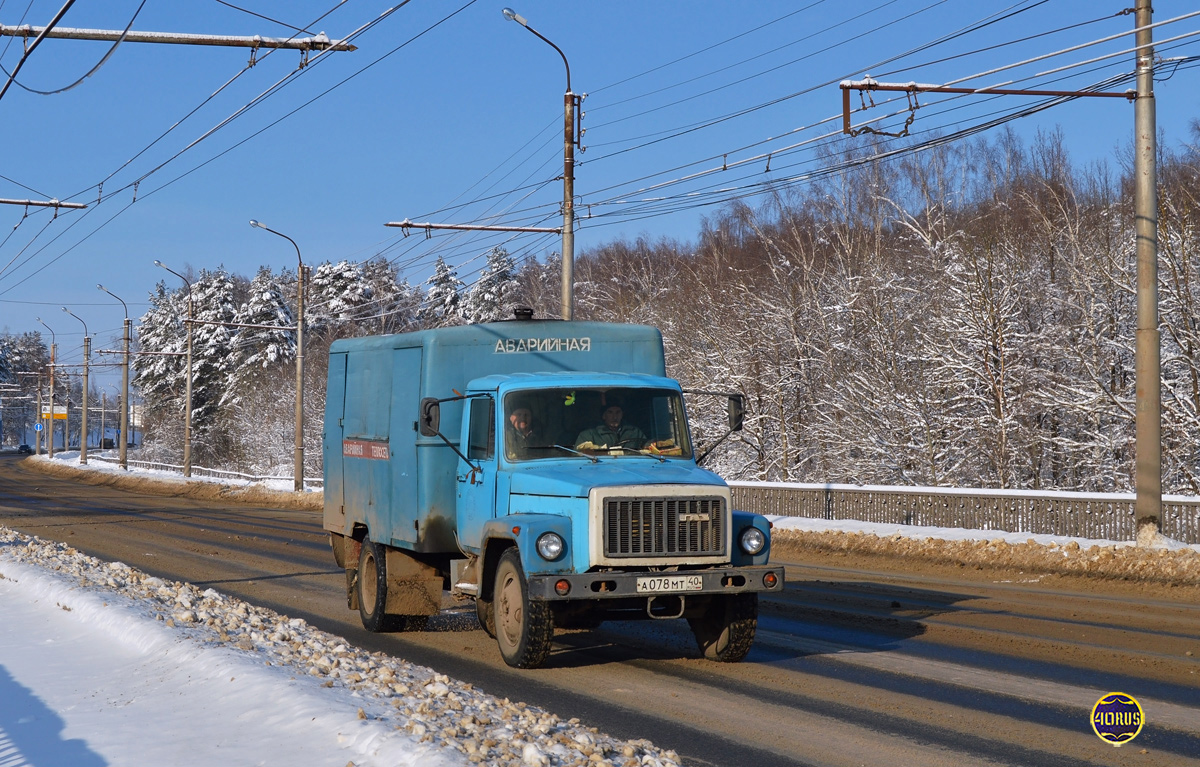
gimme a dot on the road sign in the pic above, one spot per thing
(60, 412)
(37, 427)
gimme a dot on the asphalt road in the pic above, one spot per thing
(858, 662)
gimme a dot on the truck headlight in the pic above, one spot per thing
(550, 546)
(752, 540)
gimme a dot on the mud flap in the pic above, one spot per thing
(413, 587)
(351, 588)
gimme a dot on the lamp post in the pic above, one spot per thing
(187, 417)
(298, 458)
(571, 104)
(37, 435)
(87, 355)
(125, 383)
(53, 354)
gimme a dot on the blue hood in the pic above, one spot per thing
(574, 479)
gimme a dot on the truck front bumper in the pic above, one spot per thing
(621, 585)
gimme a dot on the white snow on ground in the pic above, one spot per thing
(102, 461)
(951, 533)
(101, 664)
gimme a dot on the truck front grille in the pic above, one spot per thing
(655, 527)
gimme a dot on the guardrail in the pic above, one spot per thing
(1107, 516)
(313, 482)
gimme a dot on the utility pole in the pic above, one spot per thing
(38, 432)
(571, 136)
(1147, 353)
(1148, 414)
(87, 355)
(298, 434)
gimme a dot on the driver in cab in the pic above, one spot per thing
(611, 433)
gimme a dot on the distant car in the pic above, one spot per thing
(25, 449)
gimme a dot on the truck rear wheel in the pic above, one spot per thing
(372, 590)
(725, 631)
(524, 628)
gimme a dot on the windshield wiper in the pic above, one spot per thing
(639, 452)
(591, 458)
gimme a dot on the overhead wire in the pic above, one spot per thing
(1076, 64)
(209, 133)
(103, 60)
(36, 42)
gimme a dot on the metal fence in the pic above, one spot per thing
(200, 471)
(1107, 516)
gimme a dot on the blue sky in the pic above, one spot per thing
(448, 112)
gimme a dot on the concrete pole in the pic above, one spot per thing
(298, 470)
(53, 359)
(38, 438)
(125, 399)
(103, 409)
(83, 428)
(298, 454)
(187, 420)
(568, 232)
(1148, 446)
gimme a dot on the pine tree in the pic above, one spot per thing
(487, 301)
(443, 297)
(261, 349)
(340, 294)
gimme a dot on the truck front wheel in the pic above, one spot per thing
(725, 631)
(372, 589)
(524, 627)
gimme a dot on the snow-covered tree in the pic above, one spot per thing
(265, 347)
(395, 303)
(339, 294)
(487, 300)
(259, 349)
(443, 297)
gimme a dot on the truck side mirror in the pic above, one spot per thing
(429, 419)
(737, 412)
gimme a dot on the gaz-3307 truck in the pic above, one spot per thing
(428, 487)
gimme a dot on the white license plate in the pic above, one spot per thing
(658, 584)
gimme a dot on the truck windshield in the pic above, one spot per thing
(627, 422)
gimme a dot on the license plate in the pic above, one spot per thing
(658, 584)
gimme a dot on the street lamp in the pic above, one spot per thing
(124, 434)
(36, 434)
(53, 355)
(87, 355)
(187, 417)
(298, 458)
(571, 103)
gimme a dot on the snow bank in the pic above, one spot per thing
(120, 667)
(1170, 562)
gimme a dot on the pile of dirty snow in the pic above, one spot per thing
(1170, 562)
(432, 710)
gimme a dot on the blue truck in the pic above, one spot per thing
(544, 469)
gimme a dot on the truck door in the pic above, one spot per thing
(477, 479)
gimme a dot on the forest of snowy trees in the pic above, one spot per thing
(961, 317)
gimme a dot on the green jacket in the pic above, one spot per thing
(625, 435)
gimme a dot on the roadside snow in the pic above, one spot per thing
(101, 664)
(1170, 562)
